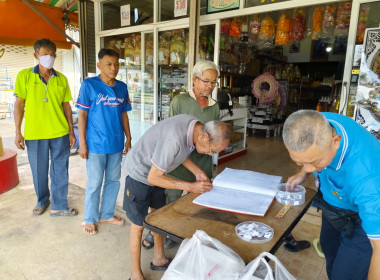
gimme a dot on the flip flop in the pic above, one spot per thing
(317, 247)
(67, 213)
(89, 233)
(41, 209)
(160, 267)
(148, 239)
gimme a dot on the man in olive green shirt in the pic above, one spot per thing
(199, 103)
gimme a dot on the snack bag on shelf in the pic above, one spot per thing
(266, 33)
(177, 47)
(254, 28)
(164, 48)
(362, 25)
(137, 53)
(299, 25)
(343, 19)
(316, 29)
(284, 30)
(235, 29)
(129, 51)
(328, 22)
(149, 49)
(225, 26)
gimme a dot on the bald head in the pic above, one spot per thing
(304, 128)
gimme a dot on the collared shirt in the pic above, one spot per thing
(211, 101)
(105, 105)
(352, 180)
(165, 145)
(43, 120)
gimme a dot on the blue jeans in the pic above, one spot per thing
(347, 257)
(38, 155)
(99, 166)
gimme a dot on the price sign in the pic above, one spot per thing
(180, 8)
(125, 15)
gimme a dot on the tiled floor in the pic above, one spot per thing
(269, 155)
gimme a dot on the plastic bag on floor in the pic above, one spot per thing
(203, 257)
(259, 269)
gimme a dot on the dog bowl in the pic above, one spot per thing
(293, 197)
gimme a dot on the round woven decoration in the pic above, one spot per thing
(265, 88)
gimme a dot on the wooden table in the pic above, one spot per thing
(181, 218)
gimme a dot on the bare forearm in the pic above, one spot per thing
(68, 115)
(126, 128)
(19, 114)
(169, 183)
(82, 125)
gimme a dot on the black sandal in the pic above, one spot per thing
(148, 239)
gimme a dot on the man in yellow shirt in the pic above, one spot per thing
(44, 95)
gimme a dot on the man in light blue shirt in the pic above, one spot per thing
(344, 157)
(103, 121)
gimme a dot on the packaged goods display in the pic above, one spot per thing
(328, 23)
(284, 30)
(298, 25)
(362, 24)
(343, 19)
(317, 22)
(254, 28)
(266, 34)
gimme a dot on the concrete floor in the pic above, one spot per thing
(42, 247)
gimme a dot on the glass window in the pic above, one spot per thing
(166, 8)
(141, 12)
(136, 70)
(253, 3)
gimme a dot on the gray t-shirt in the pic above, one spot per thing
(165, 145)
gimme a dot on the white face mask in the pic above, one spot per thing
(47, 61)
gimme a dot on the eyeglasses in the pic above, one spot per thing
(208, 83)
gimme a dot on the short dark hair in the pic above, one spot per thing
(46, 43)
(109, 52)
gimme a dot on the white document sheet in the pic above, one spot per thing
(241, 191)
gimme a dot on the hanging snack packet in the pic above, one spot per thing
(328, 21)
(317, 23)
(343, 20)
(284, 30)
(225, 26)
(254, 28)
(266, 33)
(299, 25)
(235, 29)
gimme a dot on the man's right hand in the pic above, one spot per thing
(83, 150)
(201, 186)
(297, 179)
(20, 142)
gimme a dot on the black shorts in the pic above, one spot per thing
(138, 197)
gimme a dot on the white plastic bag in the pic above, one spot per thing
(203, 257)
(259, 269)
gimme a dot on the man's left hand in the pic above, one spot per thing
(72, 139)
(201, 176)
(127, 147)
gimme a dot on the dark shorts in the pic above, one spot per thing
(138, 197)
